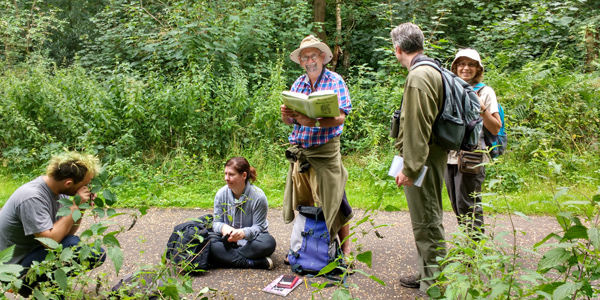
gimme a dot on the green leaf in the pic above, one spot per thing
(61, 278)
(65, 202)
(99, 211)
(117, 181)
(96, 189)
(109, 197)
(86, 234)
(77, 199)
(12, 269)
(116, 255)
(576, 232)
(341, 294)
(143, 210)
(549, 236)
(171, 291)
(76, 215)
(66, 254)
(328, 268)
(374, 278)
(103, 176)
(7, 254)
(553, 258)
(594, 235)
(434, 292)
(391, 208)
(566, 289)
(498, 289)
(596, 198)
(64, 211)
(96, 182)
(522, 215)
(38, 295)
(111, 241)
(365, 257)
(110, 212)
(50, 243)
(98, 202)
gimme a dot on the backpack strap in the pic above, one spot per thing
(478, 87)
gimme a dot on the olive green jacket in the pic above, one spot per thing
(331, 179)
(421, 102)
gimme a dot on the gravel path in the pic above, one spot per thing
(393, 254)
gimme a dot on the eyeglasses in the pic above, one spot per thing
(470, 65)
(313, 57)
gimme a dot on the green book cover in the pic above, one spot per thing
(319, 104)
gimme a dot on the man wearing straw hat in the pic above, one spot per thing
(316, 175)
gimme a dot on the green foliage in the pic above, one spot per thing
(490, 266)
(25, 28)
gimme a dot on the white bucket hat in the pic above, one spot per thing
(470, 53)
(312, 42)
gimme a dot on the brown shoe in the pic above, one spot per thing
(411, 282)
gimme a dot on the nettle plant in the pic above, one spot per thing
(563, 265)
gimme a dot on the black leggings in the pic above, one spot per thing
(224, 256)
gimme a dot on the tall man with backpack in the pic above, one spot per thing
(421, 103)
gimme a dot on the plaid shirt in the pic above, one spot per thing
(314, 136)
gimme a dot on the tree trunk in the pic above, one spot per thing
(319, 9)
(337, 51)
(592, 42)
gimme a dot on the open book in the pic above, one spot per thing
(398, 165)
(319, 104)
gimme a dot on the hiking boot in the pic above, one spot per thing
(411, 282)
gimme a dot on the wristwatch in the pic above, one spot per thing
(317, 123)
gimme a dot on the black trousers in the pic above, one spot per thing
(225, 256)
(461, 188)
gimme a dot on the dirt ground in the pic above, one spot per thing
(393, 254)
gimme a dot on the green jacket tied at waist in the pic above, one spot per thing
(331, 179)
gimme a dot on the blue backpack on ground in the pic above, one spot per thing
(492, 140)
(458, 125)
(311, 247)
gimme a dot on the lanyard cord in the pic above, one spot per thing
(317, 82)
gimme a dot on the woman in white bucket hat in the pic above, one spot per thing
(461, 186)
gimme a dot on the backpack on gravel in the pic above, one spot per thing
(458, 125)
(190, 243)
(311, 247)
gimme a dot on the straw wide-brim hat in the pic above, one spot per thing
(311, 42)
(470, 53)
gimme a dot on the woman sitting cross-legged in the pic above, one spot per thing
(240, 216)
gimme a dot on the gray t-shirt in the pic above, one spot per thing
(30, 209)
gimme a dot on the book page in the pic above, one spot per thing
(320, 104)
(398, 165)
(296, 101)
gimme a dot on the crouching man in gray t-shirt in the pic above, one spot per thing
(31, 210)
